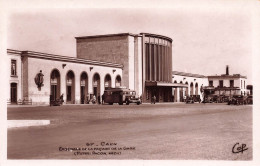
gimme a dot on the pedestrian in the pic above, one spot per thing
(61, 99)
(94, 99)
(154, 99)
(87, 99)
(103, 98)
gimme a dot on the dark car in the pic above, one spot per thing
(238, 100)
(196, 98)
(189, 100)
(208, 99)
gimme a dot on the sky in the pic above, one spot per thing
(204, 41)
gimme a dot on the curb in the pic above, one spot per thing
(26, 123)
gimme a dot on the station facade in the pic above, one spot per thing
(74, 78)
(140, 62)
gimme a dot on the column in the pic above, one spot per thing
(155, 61)
(77, 87)
(178, 94)
(150, 63)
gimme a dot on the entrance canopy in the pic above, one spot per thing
(158, 83)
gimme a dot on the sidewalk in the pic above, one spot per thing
(26, 123)
(46, 105)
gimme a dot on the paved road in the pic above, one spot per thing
(161, 131)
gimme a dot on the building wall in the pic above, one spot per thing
(47, 66)
(226, 83)
(15, 79)
(187, 79)
(131, 63)
(157, 66)
(115, 49)
(138, 62)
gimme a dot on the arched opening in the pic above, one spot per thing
(186, 89)
(191, 88)
(175, 89)
(55, 85)
(107, 81)
(83, 87)
(96, 85)
(70, 87)
(196, 89)
(13, 94)
(181, 93)
(118, 81)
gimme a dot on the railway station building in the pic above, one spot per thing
(140, 62)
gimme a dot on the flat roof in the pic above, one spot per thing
(107, 35)
(155, 35)
(160, 83)
(227, 76)
(187, 74)
(125, 34)
(40, 55)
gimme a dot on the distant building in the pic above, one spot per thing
(191, 84)
(227, 84)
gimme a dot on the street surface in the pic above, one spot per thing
(160, 131)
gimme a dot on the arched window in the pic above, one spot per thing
(55, 84)
(83, 88)
(70, 87)
(96, 85)
(107, 81)
(196, 89)
(191, 88)
(118, 81)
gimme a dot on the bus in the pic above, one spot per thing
(120, 96)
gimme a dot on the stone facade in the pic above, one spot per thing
(118, 48)
(15, 77)
(193, 84)
(141, 62)
(33, 63)
(236, 81)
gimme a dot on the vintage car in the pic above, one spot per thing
(56, 101)
(120, 96)
(220, 98)
(208, 99)
(238, 100)
(196, 98)
(189, 100)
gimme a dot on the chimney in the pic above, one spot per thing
(227, 70)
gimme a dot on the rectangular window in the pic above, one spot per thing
(13, 67)
(210, 83)
(221, 83)
(231, 83)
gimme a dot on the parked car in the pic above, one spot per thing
(238, 100)
(196, 98)
(56, 101)
(121, 96)
(189, 100)
(208, 99)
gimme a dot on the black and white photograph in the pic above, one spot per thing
(170, 81)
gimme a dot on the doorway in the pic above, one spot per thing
(13, 93)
